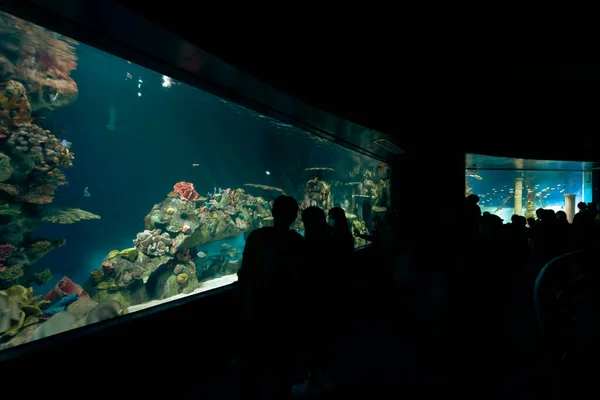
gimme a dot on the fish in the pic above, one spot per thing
(475, 176)
(65, 144)
(53, 98)
(195, 165)
(86, 193)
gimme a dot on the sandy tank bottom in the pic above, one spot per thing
(206, 286)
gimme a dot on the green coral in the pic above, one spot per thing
(67, 215)
(108, 285)
(43, 276)
(131, 254)
(121, 297)
(12, 273)
(359, 226)
(10, 210)
(97, 275)
(112, 254)
(29, 307)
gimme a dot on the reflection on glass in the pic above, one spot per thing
(505, 193)
(121, 188)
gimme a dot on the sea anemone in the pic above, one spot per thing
(182, 278)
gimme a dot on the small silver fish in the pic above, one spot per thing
(475, 176)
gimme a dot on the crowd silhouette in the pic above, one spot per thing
(295, 289)
(292, 292)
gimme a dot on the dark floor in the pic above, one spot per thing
(392, 349)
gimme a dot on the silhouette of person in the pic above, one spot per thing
(343, 241)
(268, 283)
(318, 282)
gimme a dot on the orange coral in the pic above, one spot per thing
(42, 60)
(9, 189)
(15, 109)
(43, 194)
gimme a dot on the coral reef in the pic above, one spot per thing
(63, 288)
(223, 214)
(15, 109)
(6, 251)
(22, 309)
(32, 160)
(34, 79)
(40, 60)
(185, 191)
(66, 215)
(20, 272)
(164, 261)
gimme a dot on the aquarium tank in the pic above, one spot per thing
(521, 192)
(121, 188)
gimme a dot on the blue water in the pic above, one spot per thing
(158, 137)
(214, 248)
(550, 187)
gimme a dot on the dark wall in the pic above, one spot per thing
(134, 355)
(596, 186)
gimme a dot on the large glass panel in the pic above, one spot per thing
(508, 192)
(121, 189)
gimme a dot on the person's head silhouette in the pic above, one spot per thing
(285, 211)
(337, 218)
(314, 219)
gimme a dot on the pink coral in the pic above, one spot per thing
(107, 268)
(6, 251)
(65, 287)
(185, 190)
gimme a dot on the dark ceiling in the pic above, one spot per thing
(477, 81)
(486, 162)
(526, 88)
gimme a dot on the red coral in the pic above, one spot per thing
(107, 268)
(43, 194)
(6, 251)
(186, 191)
(65, 287)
